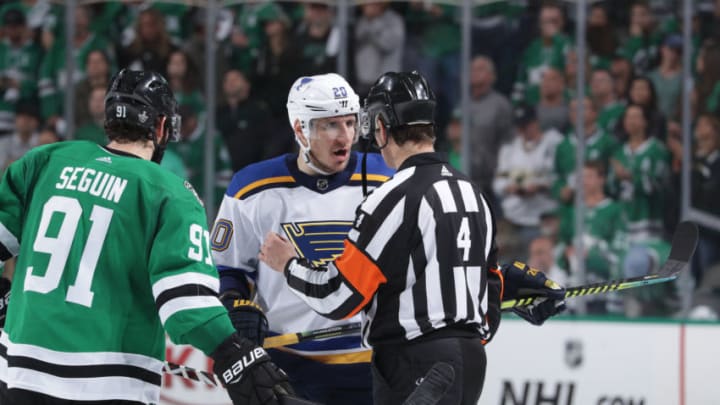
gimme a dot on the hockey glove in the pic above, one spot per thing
(246, 316)
(248, 374)
(522, 281)
(4, 299)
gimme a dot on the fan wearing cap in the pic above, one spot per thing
(419, 263)
(667, 77)
(525, 177)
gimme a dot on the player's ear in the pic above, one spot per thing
(381, 133)
(300, 134)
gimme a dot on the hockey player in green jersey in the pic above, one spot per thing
(113, 252)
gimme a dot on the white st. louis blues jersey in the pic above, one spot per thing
(315, 214)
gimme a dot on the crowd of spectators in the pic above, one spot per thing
(523, 87)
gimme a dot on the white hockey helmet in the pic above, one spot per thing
(319, 96)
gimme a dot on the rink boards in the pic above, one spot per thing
(564, 362)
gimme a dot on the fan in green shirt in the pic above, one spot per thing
(603, 237)
(19, 61)
(453, 136)
(638, 175)
(184, 77)
(599, 146)
(191, 150)
(549, 50)
(604, 226)
(610, 109)
(53, 76)
(94, 130)
(248, 35)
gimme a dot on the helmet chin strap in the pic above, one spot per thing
(159, 150)
(307, 156)
(158, 153)
(307, 153)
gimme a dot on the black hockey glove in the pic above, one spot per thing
(4, 299)
(246, 316)
(248, 374)
(522, 281)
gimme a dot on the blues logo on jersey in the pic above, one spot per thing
(318, 241)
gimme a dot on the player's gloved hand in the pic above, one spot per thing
(246, 316)
(522, 280)
(248, 374)
(4, 299)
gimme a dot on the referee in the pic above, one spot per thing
(420, 260)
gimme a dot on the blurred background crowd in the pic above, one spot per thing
(521, 130)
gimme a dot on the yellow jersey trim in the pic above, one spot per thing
(263, 182)
(370, 177)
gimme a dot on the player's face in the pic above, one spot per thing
(331, 141)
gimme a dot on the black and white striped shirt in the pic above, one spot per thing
(417, 259)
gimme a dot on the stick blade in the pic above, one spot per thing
(434, 386)
(683, 247)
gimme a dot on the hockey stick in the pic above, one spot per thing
(191, 374)
(681, 250)
(292, 338)
(213, 380)
(269, 343)
(433, 386)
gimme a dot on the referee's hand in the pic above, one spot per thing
(276, 251)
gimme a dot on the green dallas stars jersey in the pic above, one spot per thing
(111, 248)
(19, 65)
(642, 196)
(54, 78)
(603, 240)
(598, 146)
(610, 115)
(534, 60)
(192, 153)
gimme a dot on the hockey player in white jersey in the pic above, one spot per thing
(309, 198)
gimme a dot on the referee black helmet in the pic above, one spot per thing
(398, 99)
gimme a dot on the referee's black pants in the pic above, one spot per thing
(398, 369)
(16, 396)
